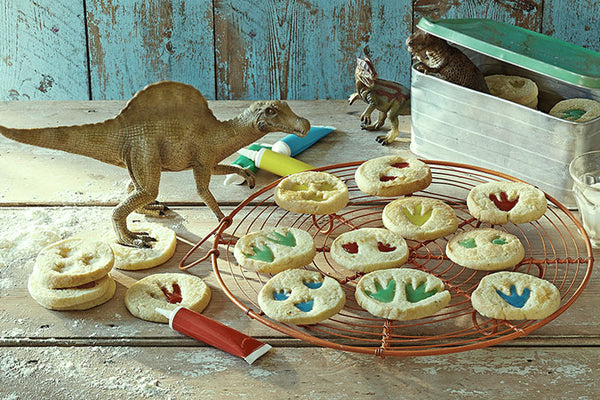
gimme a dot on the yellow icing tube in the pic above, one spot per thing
(276, 163)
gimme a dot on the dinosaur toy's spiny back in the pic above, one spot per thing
(166, 126)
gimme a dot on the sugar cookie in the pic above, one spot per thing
(514, 295)
(392, 176)
(274, 250)
(73, 262)
(503, 202)
(401, 293)
(76, 298)
(166, 291)
(514, 88)
(577, 110)
(485, 249)
(369, 249)
(159, 252)
(312, 192)
(299, 296)
(420, 218)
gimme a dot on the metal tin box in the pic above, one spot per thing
(453, 123)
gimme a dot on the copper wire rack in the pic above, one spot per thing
(557, 249)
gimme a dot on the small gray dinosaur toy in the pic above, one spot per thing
(166, 126)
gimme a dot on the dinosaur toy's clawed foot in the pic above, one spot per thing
(136, 239)
(153, 210)
(249, 177)
(382, 139)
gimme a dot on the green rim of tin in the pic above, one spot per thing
(515, 45)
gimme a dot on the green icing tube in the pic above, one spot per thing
(244, 162)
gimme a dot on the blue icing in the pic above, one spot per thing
(515, 299)
(313, 285)
(280, 296)
(305, 306)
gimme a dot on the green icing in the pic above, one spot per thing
(418, 294)
(383, 295)
(265, 254)
(288, 240)
(468, 243)
(572, 115)
(418, 217)
(499, 240)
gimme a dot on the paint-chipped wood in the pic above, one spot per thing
(42, 50)
(576, 22)
(134, 43)
(306, 49)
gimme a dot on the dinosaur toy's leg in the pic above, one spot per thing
(144, 171)
(392, 134)
(365, 117)
(202, 177)
(154, 209)
(245, 173)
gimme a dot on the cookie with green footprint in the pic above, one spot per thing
(273, 250)
(401, 293)
(485, 249)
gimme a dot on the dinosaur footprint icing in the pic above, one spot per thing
(305, 306)
(503, 203)
(383, 295)
(173, 297)
(468, 243)
(265, 254)
(281, 295)
(286, 240)
(515, 299)
(418, 217)
(313, 284)
(418, 294)
(499, 241)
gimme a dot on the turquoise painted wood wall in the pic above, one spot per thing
(236, 49)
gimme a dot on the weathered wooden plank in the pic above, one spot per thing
(524, 13)
(301, 373)
(306, 49)
(576, 22)
(134, 43)
(42, 50)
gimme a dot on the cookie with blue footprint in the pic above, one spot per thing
(485, 249)
(401, 294)
(515, 296)
(302, 297)
(273, 250)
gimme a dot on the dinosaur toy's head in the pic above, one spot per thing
(426, 48)
(276, 116)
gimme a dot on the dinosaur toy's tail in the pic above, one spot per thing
(88, 140)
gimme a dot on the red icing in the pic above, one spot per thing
(503, 204)
(174, 297)
(386, 178)
(351, 248)
(400, 165)
(385, 248)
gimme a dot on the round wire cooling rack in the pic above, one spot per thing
(557, 249)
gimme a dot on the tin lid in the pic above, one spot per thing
(531, 50)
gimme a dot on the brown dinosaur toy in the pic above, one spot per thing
(166, 126)
(388, 97)
(436, 56)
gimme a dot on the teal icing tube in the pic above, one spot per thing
(244, 162)
(292, 144)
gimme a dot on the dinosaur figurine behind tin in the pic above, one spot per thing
(166, 126)
(435, 56)
(388, 97)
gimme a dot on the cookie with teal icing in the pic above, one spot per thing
(485, 249)
(515, 296)
(301, 297)
(420, 218)
(275, 249)
(401, 293)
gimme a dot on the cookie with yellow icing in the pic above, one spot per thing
(369, 249)
(299, 296)
(503, 202)
(420, 218)
(515, 296)
(312, 192)
(392, 176)
(401, 293)
(275, 249)
(485, 249)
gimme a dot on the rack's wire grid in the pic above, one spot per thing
(557, 249)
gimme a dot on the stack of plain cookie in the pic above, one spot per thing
(73, 274)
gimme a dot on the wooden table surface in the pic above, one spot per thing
(105, 352)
